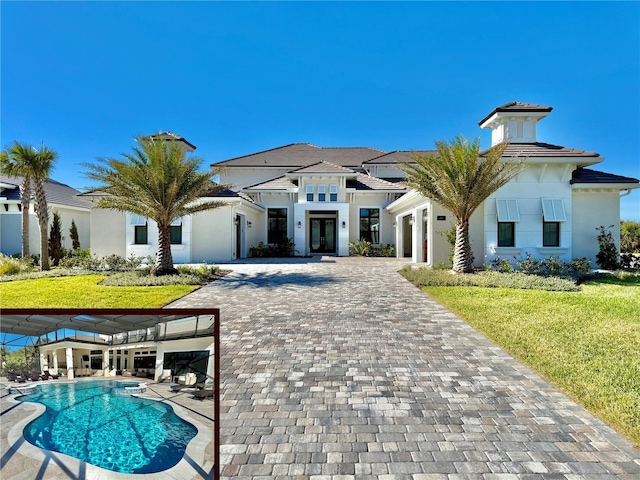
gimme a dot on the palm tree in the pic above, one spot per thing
(34, 165)
(156, 181)
(460, 179)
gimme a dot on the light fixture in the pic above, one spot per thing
(299, 224)
(411, 220)
(248, 224)
(236, 221)
(344, 224)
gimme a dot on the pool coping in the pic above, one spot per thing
(183, 470)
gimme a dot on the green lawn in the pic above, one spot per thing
(587, 343)
(84, 292)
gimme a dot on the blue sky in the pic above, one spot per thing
(237, 78)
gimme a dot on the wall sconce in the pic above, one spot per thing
(411, 220)
(236, 221)
(299, 224)
(395, 224)
(344, 224)
(248, 224)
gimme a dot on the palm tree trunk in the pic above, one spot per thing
(463, 257)
(25, 200)
(164, 261)
(42, 211)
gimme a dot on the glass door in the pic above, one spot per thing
(323, 235)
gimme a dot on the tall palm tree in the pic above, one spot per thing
(460, 179)
(159, 182)
(34, 165)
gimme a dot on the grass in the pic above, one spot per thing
(587, 343)
(84, 291)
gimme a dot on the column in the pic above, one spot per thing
(43, 362)
(105, 361)
(69, 352)
(55, 361)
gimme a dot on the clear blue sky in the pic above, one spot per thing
(237, 78)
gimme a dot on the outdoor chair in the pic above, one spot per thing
(188, 379)
(204, 393)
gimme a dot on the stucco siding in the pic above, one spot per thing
(108, 232)
(11, 233)
(212, 236)
(592, 209)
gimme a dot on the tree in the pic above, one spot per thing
(75, 238)
(460, 179)
(34, 165)
(56, 252)
(158, 182)
(629, 236)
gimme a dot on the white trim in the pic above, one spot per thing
(137, 220)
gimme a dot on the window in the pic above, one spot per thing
(552, 214)
(370, 224)
(506, 234)
(551, 234)
(276, 225)
(333, 193)
(141, 234)
(176, 232)
(508, 214)
(309, 193)
(322, 194)
(140, 229)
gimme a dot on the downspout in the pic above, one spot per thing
(627, 192)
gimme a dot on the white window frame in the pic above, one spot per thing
(138, 220)
(553, 210)
(507, 210)
(322, 191)
(310, 191)
(333, 190)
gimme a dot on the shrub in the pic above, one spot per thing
(73, 233)
(607, 256)
(502, 265)
(360, 249)
(630, 261)
(142, 278)
(529, 265)
(117, 263)
(56, 250)
(14, 266)
(444, 278)
(81, 259)
(284, 248)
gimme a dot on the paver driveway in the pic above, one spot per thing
(339, 368)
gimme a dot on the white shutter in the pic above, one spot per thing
(553, 210)
(507, 210)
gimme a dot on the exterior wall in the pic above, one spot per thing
(82, 219)
(213, 239)
(371, 200)
(180, 253)
(529, 188)
(108, 232)
(301, 212)
(385, 171)
(476, 236)
(11, 228)
(592, 209)
(11, 232)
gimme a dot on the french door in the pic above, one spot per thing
(323, 235)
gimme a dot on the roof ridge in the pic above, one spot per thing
(265, 151)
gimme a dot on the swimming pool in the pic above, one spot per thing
(119, 433)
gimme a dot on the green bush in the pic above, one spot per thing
(81, 258)
(607, 256)
(284, 248)
(142, 277)
(15, 266)
(424, 277)
(360, 249)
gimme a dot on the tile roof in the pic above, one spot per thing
(367, 182)
(585, 175)
(303, 155)
(539, 149)
(323, 167)
(517, 107)
(280, 183)
(398, 156)
(56, 192)
(230, 194)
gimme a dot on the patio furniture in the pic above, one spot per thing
(188, 379)
(204, 393)
(166, 375)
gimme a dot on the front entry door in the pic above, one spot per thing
(323, 235)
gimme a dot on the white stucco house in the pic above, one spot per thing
(61, 198)
(323, 198)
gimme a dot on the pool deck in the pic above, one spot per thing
(23, 461)
(339, 369)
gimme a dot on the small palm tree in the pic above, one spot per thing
(34, 165)
(460, 179)
(156, 181)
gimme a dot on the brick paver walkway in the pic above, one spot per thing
(338, 368)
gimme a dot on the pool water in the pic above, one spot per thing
(118, 433)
